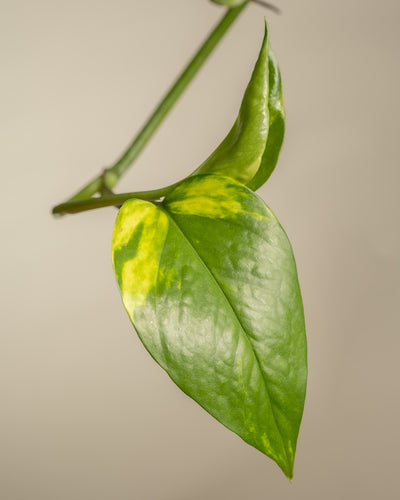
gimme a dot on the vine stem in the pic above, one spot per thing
(109, 200)
(111, 176)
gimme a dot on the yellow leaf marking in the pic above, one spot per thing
(213, 197)
(138, 275)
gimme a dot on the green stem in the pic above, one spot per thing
(113, 174)
(108, 200)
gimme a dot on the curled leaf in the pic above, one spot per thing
(276, 130)
(250, 151)
(240, 153)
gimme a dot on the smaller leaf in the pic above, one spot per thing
(250, 151)
(276, 131)
(240, 153)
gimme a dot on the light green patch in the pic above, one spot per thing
(290, 451)
(129, 217)
(267, 445)
(278, 457)
(138, 274)
(248, 417)
(212, 196)
(170, 277)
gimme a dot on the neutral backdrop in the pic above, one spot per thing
(85, 412)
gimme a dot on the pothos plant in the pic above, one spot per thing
(206, 272)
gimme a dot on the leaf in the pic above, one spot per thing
(209, 280)
(276, 130)
(239, 154)
(251, 149)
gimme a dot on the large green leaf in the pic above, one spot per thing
(209, 281)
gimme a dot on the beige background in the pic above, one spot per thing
(85, 412)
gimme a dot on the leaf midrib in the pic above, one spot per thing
(169, 214)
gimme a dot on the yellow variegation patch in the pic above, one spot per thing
(208, 196)
(140, 230)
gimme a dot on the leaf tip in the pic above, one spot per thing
(287, 469)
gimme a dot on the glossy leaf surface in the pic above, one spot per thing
(239, 154)
(276, 132)
(209, 281)
(250, 151)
